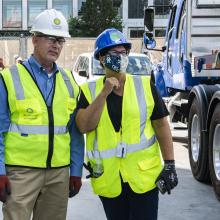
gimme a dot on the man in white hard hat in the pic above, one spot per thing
(38, 137)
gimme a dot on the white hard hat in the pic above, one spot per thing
(19, 59)
(16, 56)
(51, 22)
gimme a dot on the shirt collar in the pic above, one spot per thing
(32, 61)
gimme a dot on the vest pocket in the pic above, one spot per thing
(149, 163)
(71, 104)
(148, 171)
(29, 111)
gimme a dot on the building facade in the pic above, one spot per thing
(17, 15)
(133, 14)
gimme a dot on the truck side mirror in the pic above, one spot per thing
(149, 41)
(83, 73)
(149, 18)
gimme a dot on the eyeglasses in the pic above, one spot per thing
(53, 40)
(116, 53)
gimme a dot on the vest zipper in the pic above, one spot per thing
(50, 136)
(51, 128)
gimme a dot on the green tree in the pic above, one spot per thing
(75, 27)
(97, 15)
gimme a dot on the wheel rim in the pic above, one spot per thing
(195, 137)
(216, 151)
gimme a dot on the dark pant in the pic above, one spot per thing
(131, 206)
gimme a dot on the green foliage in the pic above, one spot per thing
(97, 15)
(75, 27)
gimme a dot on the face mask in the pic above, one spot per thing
(116, 63)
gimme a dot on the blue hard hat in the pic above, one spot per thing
(110, 38)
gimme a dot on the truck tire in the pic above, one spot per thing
(198, 143)
(214, 150)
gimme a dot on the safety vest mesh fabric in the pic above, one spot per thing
(133, 152)
(27, 140)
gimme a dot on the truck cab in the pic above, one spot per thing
(192, 31)
(190, 77)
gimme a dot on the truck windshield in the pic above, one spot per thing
(139, 65)
(96, 67)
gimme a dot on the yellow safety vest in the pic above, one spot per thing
(133, 152)
(38, 135)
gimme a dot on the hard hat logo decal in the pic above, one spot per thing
(115, 37)
(57, 21)
(29, 110)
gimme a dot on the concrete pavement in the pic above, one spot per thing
(190, 200)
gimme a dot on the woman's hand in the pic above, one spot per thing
(110, 84)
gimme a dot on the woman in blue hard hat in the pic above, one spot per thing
(124, 119)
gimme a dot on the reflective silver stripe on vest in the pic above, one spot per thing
(121, 150)
(36, 129)
(67, 82)
(141, 102)
(92, 88)
(19, 91)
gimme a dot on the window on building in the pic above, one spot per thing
(65, 6)
(162, 8)
(136, 8)
(12, 11)
(136, 32)
(34, 8)
(80, 4)
(160, 32)
(116, 3)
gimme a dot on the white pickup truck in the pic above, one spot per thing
(86, 67)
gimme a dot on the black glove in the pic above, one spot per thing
(93, 173)
(89, 168)
(167, 179)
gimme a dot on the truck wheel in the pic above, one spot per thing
(214, 151)
(198, 144)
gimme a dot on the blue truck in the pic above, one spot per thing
(190, 76)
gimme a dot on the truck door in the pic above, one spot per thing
(179, 48)
(168, 55)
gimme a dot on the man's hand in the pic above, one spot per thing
(75, 184)
(5, 188)
(167, 179)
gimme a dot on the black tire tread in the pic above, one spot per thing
(214, 121)
(200, 168)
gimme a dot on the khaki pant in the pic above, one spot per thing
(41, 192)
